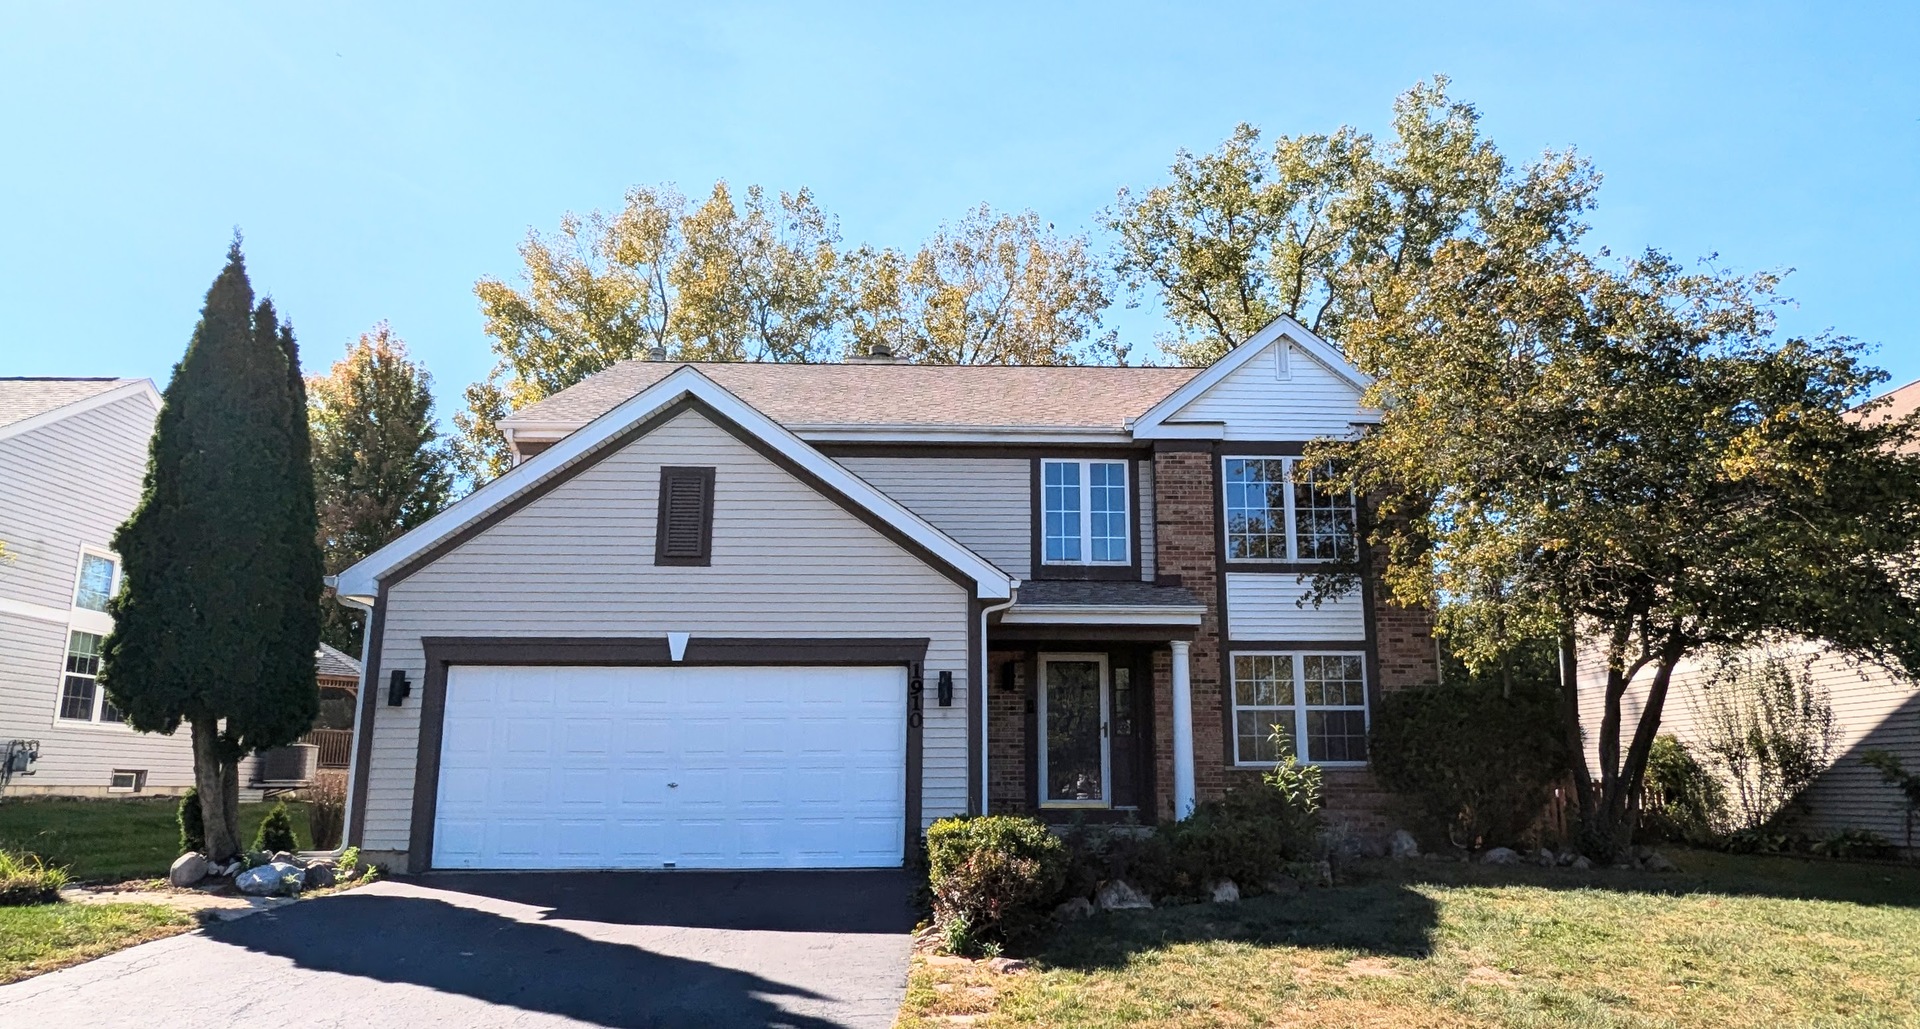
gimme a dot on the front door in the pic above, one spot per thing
(1075, 750)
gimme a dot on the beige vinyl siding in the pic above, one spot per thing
(65, 485)
(1269, 606)
(1254, 403)
(985, 503)
(1873, 708)
(579, 562)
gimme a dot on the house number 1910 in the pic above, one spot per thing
(916, 685)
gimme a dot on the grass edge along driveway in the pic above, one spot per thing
(1727, 941)
(38, 938)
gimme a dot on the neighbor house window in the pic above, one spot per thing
(127, 780)
(81, 698)
(95, 586)
(1281, 509)
(1312, 704)
(1084, 518)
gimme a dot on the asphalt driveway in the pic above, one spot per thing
(806, 950)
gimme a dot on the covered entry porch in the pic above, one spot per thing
(1089, 712)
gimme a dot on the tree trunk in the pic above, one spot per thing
(1570, 719)
(216, 778)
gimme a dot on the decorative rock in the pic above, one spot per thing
(319, 876)
(1073, 910)
(1224, 892)
(187, 869)
(1118, 896)
(1006, 966)
(1281, 885)
(1657, 862)
(1544, 858)
(1500, 856)
(1567, 857)
(281, 857)
(1580, 863)
(1401, 845)
(270, 880)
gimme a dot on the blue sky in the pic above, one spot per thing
(381, 157)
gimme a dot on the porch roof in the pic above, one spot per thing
(1103, 602)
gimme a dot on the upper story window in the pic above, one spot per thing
(1084, 518)
(1280, 509)
(95, 586)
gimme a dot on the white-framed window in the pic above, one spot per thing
(1316, 701)
(1278, 509)
(94, 585)
(1084, 513)
(81, 698)
(127, 780)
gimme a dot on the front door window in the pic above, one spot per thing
(1073, 723)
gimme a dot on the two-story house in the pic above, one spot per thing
(764, 615)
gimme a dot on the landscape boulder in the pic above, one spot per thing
(1073, 910)
(1006, 966)
(1118, 896)
(1581, 863)
(281, 857)
(1224, 892)
(1657, 862)
(188, 868)
(1500, 856)
(270, 880)
(1402, 846)
(319, 875)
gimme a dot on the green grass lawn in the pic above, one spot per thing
(42, 937)
(1728, 941)
(103, 841)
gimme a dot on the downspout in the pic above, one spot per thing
(985, 676)
(366, 648)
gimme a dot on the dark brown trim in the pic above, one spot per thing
(1036, 540)
(1275, 448)
(540, 489)
(1303, 568)
(1028, 635)
(975, 450)
(916, 753)
(703, 478)
(442, 652)
(1223, 635)
(1182, 446)
(976, 708)
(369, 700)
(641, 428)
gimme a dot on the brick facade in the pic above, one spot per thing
(1007, 733)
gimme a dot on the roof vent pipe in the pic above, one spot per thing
(657, 353)
(877, 353)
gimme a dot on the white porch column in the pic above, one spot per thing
(1183, 793)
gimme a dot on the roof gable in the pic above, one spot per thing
(1320, 387)
(28, 404)
(627, 422)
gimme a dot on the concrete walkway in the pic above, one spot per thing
(806, 950)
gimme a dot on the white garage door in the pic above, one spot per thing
(672, 767)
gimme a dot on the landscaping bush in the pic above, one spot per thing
(1856, 845)
(1767, 727)
(1681, 801)
(193, 831)
(25, 879)
(276, 832)
(994, 878)
(1475, 760)
(327, 810)
(1249, 835)
(1895, 775)
(1097, 855)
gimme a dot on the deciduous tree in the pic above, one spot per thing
(218, 617)
(380, 467)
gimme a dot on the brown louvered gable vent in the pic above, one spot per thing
(685, 533)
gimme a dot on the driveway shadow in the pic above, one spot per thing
(523, 965)
(839, 901)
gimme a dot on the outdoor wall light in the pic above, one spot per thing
(946, 689)
(398, 688)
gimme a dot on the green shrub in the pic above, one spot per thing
(994, 879)
(1476, 761)
(1896, 775)
(1681, 801)
(1249, 835)
(193, 829)
(25, 879)
(349, 860)
(1855, 845)
(276, 831)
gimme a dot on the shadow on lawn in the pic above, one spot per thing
(1378, 918)
(1700, 872)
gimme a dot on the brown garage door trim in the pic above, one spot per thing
(443, 652)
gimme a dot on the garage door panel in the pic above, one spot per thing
(570, 768)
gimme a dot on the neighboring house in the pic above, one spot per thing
(1874, 708)
(772, 615)
(73, 456)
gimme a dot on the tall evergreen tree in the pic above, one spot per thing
(218, 618)
(379, 463)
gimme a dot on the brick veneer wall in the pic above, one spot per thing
(1185, 528)
(1007, 735)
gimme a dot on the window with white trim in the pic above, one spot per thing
(1280, 509)
(1314, 704)
(1084, 517)
(81, 698)
(96, 581)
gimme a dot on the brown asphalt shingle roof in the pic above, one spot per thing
(336, 664)
(23, 398)
(1066, 396)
